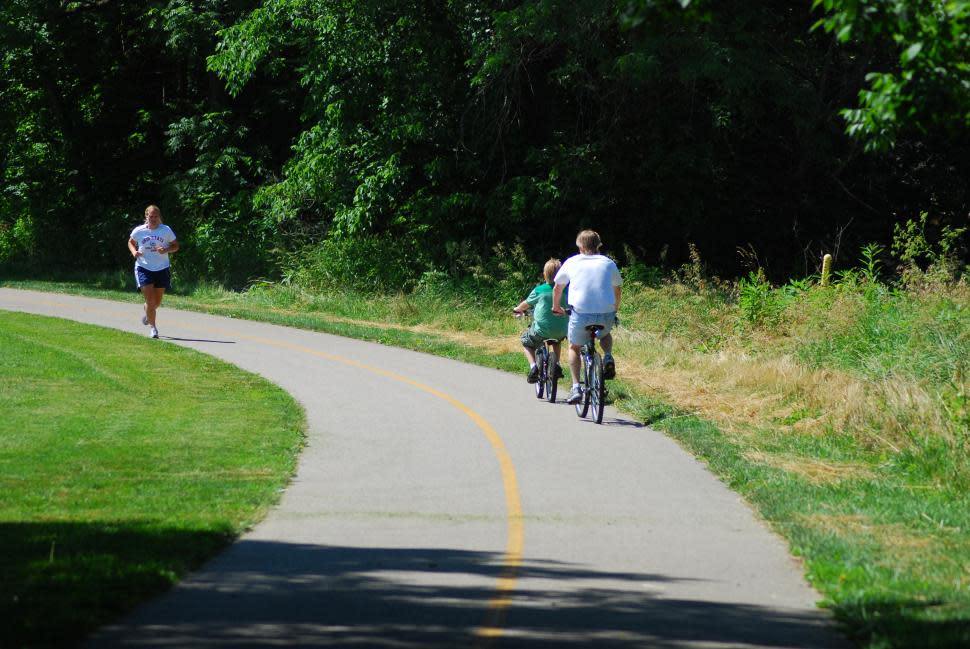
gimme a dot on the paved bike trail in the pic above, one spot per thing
(439, 504)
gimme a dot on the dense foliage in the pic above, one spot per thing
(375, 142)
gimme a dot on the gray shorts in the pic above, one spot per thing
(578, 321)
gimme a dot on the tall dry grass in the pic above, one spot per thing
(886, 368)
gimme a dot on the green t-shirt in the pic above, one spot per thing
(544, 322)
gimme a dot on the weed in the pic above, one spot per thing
(923, 260)
(759, 303)
(871, 264)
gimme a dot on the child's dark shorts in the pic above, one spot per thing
(158, 278)
(533, 340)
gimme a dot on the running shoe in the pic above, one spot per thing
(559, 373)
(153, 333)
(575, 395)
(144, 319)
(533, 375)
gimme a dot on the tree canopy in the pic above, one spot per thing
(423, 134)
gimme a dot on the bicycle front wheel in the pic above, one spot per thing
(597, 389)
(552, 381)
(582, 406)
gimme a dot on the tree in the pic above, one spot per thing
(310, 130)
(384, 85)
(926, 86)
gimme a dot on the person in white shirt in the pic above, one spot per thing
(151, 244)
(595, 288)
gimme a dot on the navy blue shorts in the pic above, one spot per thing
(158, 278)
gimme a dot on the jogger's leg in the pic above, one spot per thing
(148, 291)
(159, 293)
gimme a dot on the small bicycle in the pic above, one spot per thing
(546, 362)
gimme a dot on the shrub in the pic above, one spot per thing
(368, 263)
(922, 260)
(759, 303)
(502, 278)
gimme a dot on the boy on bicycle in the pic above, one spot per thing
(594, 296)
(545, 324)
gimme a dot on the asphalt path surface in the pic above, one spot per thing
(440, 504)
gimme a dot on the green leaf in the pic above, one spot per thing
(911, 52)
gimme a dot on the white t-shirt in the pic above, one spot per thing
(149, 241)
(591, 279)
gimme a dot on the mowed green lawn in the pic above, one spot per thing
(124, 463)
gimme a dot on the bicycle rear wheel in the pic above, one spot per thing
(552, 381)
(540, 383)
(597, 389)
(582, 406)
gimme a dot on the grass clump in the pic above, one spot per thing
(123, 465)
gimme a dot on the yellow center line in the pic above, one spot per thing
(512, 560)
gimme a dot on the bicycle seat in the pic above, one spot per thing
(594, 327)
(551, 340)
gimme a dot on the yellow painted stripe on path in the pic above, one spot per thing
(512, 561)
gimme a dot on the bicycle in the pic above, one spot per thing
(546, 362)
(592, 385)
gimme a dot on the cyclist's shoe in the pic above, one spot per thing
(609, 367)
(575, 395)
(144, 319)
(153, 333)
(533, 374)
(559, 373)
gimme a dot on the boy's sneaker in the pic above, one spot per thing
(533, 375)
(575, 395)
(559, 373)
(144, 319)
(153, 333)
(609, 367)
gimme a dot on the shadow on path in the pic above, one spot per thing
(623, 423)
(261, 594)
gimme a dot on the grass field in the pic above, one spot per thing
(841, 413)
(124, 463)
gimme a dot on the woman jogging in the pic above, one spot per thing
(151, 244)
